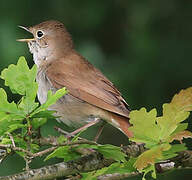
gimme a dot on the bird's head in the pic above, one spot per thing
(50, 40)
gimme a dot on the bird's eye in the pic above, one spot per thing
(40, 34)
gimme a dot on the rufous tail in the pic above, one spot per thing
(122, 123)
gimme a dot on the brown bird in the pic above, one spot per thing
(92, 97)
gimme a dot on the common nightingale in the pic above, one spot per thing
(91, 95)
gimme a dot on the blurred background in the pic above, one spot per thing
(143, 47)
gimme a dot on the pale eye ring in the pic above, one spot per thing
(40, 34)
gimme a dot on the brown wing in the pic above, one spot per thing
(86, 83)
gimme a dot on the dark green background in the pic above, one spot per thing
(143, 47)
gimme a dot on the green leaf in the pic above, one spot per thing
(151, 169)
(109, 151)
(158, 132)
(51, 99)
(117, 167)
(21, 80)
(44, 114)
(38, 122)
(90, 175)
(172, 152)
(34, 148)
(20, 142)
(9, 113)
(9, 109)
(76, 137)
(126, 167)
(5, 141)
(15, 126)
(89, 146)
(149, 129)
(27, 104)
(144, 127)
(170, 120)
(61, 139)
(112, 152)
(93, 175)
(64, 152)
(24, 131)
(180, 127)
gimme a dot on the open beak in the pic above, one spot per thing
(25, 40)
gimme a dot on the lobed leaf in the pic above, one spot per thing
(170, 120)
(183, 100)
(150, 156)
(9, 113)
(144, 127)
(20, 78)
(51, 99)
(180, 136)
(10, 109)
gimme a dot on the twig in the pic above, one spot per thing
(5, 146)
(41, 153)
(3, 155)
(53, 141)
(12, 140)
(27, 162)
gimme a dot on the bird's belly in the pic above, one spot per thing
(71, 110)
(74, 112)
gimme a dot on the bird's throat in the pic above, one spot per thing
(40, 54)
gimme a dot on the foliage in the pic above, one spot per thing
(158, 132)
(118, 167)
(23, 118)
(20, 123)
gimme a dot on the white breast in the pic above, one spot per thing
(39, 53)
(43, 87)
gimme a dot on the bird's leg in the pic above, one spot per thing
(97, 120)
(72, 134)
(99, 131)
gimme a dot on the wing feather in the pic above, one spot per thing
(87, 83)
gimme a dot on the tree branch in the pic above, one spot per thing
(117, 176)
(85, 164)
(96, 161)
